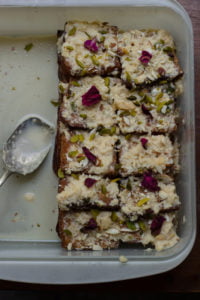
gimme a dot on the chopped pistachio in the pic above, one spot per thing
(94, 60)
(80, 64)
(159, 96)
(133, 113)
(163, 82)
(83, 116)
(73, 106)
(73, 153)
(75, 176)
(139, 122)
(104, 130)
(92, 137)
(128, 136)
(94, 213)
(147, 99)
(131, 225)
(77, 138)
(70, 48)
(142, 225)
(114, 217)
(129, 186)
(124, 113)
(132, 97)
(28, 47)
(61, 88)
(107, 81)
(88, 35)
(72, 31)
(60, 173)
(128, 59)
(113, 130)
(160, 121)
(103, 189)
(68, 232)
(115, 179)
(75, 83)
(102, 39)
(128, 77)
(80, 158)
(103, 31)
(55, 103)
(142, 201)
(168, 50)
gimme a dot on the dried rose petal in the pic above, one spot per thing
(156, 224)
(145, 57)
(91, 225)
(91, 97)
(150, 183)
(91, 45)
(89, 182)
(89, 155)
(146, 111)
(144, 142)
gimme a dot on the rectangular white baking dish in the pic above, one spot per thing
(34, 254)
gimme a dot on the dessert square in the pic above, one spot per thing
(88, 49)
(87, 103)
(147, 110)
(139, 154)
(147, 56)
(85, 192)
(149, 194)
(87, 152)
(95, 230)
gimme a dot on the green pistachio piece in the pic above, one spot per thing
(103, 189)
(131, 225)
(132, 97)
(168, 50)
(92, 137)
(94, 213)
(73, 106)
(61, 88)
(133, 113)
(72, 153)
(55, 103)
(79, 159)
(124, 113)
(28, 47)
(72, 31)
(80, 64)
(70, 48)
(102, 39)
(128, 77)
(114, 217)
(75, 83)
(129, 186)
(113, 130)
(103, 31)
(94, 60)
(128, 59)
(88, 35)
(117, 167)
(115, 179)
(75, 176)
(68, 232)
(128, 136)
(83, 116)
(60, 173)
(107, 81)
(142, 225)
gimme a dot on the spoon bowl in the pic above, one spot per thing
(27, 147)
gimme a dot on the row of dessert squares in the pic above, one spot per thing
(136, 56)
(93, 102)
(110, 154)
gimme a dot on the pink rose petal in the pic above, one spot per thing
(156, 225)
(91, 45)
(145, 57)
(89, 182)
(150, 183)
(89, 155)
(91, 97)
(144, 142)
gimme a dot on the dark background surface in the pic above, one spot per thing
(184, 278)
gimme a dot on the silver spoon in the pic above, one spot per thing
(27, 147)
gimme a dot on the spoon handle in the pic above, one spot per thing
(5, 175)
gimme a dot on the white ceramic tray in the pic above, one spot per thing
(30, 250)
